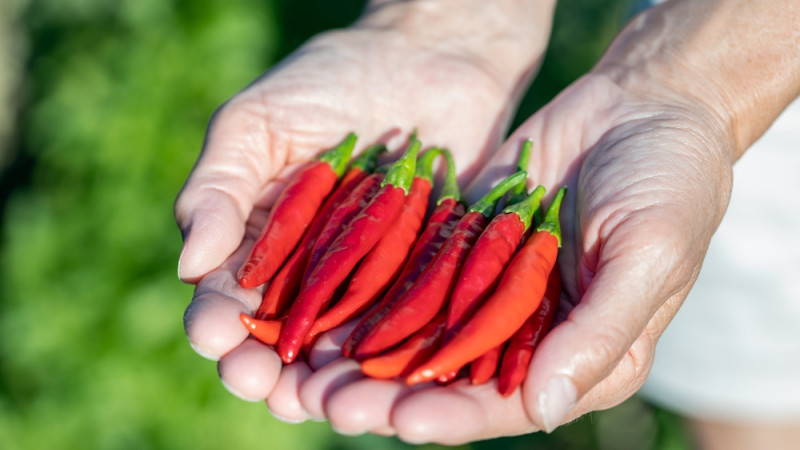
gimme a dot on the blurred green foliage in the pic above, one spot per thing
(118, 94)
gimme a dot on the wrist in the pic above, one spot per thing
(733, 61)
(508, 38)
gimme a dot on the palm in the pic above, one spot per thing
(634, 169)
(376, 83)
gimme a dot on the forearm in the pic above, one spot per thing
(507, 37)
(740, 59)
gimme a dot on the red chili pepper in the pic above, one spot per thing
(383, 263)
(415, 350)
(484, 367)
(450, 208)
(517, 296)
(522, 345)
(489, 257)
(286, 283)
(346, 251)
(487, 260)
(266, 331)
(293, 212)
(340, 218)
(427, 296)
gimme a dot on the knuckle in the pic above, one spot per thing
(639, 360)
(608, 347)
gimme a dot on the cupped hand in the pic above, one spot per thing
(648, 177)
(373, 79)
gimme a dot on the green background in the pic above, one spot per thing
(103, 108)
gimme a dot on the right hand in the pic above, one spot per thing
(646, 143)
(379, 80)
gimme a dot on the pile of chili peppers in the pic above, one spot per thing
(459, 292)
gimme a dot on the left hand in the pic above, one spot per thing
(402, 66)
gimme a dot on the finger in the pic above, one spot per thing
(631, 372)
(250, 371)
(328, 347)
(316, 390)
(284, 400)
(237, 160)
(627, 289)
(212, 325)
(211, 320)
(459, 413)
(365, 406)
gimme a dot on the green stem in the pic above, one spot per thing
(550, 223)
(538, 216)
(401, 174)
(450, 187)
(339, 156)
(369, 159)
(488, 203)
(527, 208)
(425, 164)
(520, 191)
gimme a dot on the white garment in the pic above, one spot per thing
(733, 350)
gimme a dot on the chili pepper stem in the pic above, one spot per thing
(339, 156)
(487, 204)
(520, 191)
(401, 174)
(526, 208)
(450, 186)
(551, 223)
(367, 160)
(424, 167)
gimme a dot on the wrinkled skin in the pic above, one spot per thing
(648, 179)
(299, 108)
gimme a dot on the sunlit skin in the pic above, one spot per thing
(646, 161)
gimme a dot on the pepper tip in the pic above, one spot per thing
(287, 357)
(420, 375)
(247, 321)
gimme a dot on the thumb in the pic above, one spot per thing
(211, 210)
(212, 225)
(620, 306)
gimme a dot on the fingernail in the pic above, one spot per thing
(185, 267)
(180, 263)
(556, 401)
(239, 394)
(345, 432)
(314, 418)
(184, 235)
(289, 420)
(182, 259)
